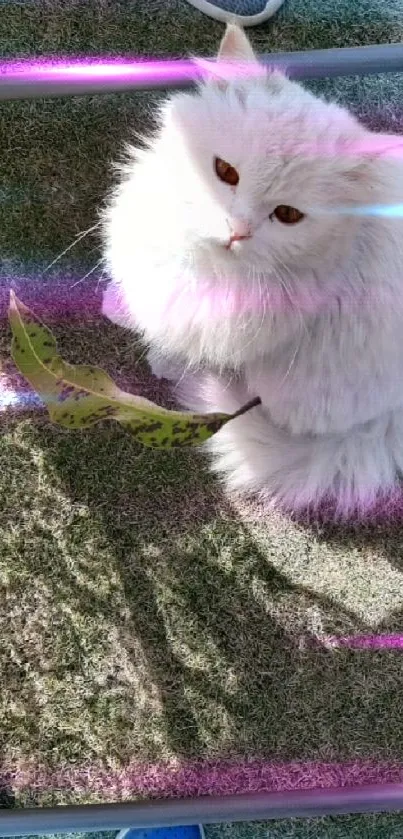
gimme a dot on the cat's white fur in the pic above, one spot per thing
(309, 316)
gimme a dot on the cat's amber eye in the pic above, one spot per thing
(287, 215)
(225, 172)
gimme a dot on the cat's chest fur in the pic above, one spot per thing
(330, 379)
(315, 373)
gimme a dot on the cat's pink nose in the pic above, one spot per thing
(238, 231)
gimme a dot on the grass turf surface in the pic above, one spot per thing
(146, 623)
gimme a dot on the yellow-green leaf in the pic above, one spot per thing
(78, 396)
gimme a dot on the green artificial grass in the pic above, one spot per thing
(144, 617)
(339, 827)
(110, 834)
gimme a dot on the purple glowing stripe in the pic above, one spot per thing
(367, 642)
(47, 76)
(175, 779)
(137, 71)
(69, 297)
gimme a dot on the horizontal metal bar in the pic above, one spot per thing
(50, 77)
(204, 810)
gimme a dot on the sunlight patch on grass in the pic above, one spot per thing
(357, 575)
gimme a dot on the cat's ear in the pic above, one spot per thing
(369, 150)
(235, 58)
(385, 146)
(370, 145)
(366, 163)
(235, 46)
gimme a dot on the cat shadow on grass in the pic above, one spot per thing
(379, 529)
(224, 637)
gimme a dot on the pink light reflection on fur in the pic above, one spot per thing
(367, 642)
(209, 302)
(66, 300)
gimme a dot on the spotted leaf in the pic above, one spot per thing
(79, 396)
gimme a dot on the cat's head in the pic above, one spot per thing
(261, 165)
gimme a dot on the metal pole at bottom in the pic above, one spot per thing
(204, 810)
(45, 77)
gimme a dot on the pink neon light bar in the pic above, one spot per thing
(69, 76)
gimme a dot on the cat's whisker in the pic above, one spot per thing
(80, 236)
(88, 274)
(293, 299)
(257, 331)
(254, 298)
(102, 279)
(262, 296)
(182, 377)
(287, 291)
(143, 354)
(292, 362)
(295, 305)
(290, 273)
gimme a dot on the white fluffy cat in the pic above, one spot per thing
(252, 246)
